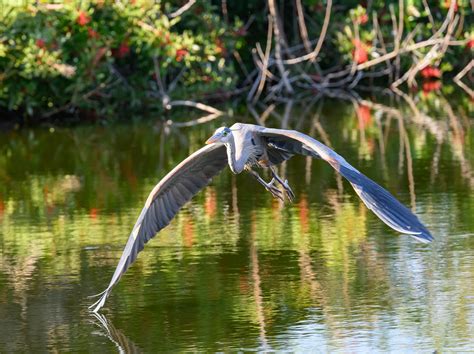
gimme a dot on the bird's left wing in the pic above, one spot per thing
(164, 201)
(380, 201)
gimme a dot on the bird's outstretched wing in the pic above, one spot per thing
(164, 201)
(380, 201)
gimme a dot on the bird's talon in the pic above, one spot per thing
(288, 190)
(278, 196)
(290, 197)
(277, 193)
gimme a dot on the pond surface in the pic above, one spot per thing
(237, 269)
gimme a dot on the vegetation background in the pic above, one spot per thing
(102, 59)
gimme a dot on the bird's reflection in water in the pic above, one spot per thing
(107, 329)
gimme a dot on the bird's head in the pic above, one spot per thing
(221, 135)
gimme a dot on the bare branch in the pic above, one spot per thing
(302, 26)
(410, 48)
(191, 123)
(182, 9)
(460, 75)
(313, 55)
(263, 75)
(278, 42)
(198, 105)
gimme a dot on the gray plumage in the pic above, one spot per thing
(243, 147)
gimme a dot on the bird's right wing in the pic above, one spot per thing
(380, 201)
(164, 201)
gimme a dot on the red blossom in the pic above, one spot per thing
(447, 4)
(362, 19)
(122, 50)
(430, 72)
(429, 86)
(40, 43)
(359, 54)
(83, 19)
(470, 44)
(92, 34)
(180, 54)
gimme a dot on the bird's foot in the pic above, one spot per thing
(274, 190)
(288, 190)
(284, 184)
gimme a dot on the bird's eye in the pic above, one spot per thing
(225, 133)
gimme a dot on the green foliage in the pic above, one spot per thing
(100, 58)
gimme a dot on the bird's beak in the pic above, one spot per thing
(212, 139)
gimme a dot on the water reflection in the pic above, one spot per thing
(236, 269)
(107, 329)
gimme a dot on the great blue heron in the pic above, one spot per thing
(245, 147)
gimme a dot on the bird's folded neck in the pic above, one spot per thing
(230, 146)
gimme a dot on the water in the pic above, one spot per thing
(236, 269)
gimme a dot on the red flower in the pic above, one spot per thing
(83, 19)
(359, 54)
(92, 34)
(447, 4)
(470, 44)
(180, 54)
(430, 72)
(362, 19)
(40, 43)
(121, 51)
(429, 86)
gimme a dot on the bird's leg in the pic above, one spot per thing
(286, 186)
(268, 186)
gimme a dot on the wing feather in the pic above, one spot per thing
(164, 201)
(379, 200)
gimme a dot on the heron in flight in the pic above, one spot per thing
(245, 147)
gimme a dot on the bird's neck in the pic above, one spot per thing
(230, 146)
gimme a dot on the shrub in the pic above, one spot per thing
(101, 58)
